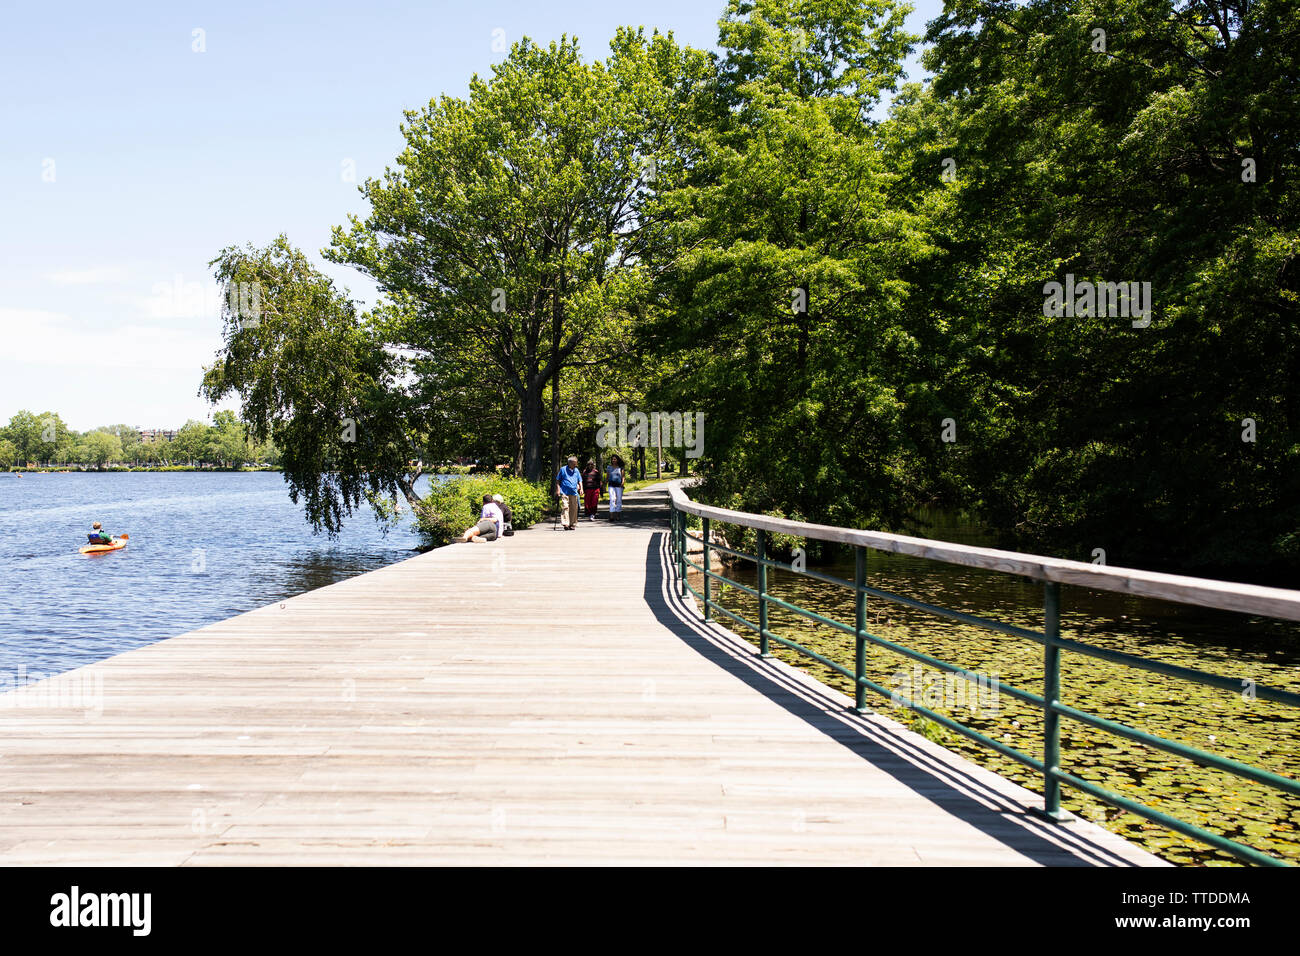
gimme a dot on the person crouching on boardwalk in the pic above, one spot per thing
(591, 489)
(490, 524)
(568, 481)
(507, 515)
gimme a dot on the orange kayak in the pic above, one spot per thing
(118, 544)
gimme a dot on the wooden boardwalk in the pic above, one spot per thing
(544, 699)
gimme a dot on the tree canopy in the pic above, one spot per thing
(859, 300)
(520, 227)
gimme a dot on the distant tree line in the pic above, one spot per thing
(43, 440)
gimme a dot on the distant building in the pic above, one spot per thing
(151, 435)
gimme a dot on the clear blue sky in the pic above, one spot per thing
(128, 160)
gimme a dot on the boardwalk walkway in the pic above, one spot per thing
(548, 698)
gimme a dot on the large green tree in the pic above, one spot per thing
(786, 296)
(520, 227)
(314, 375)
(191, 441)
(39, 438)
(98, 447)
(1121, 140)
(228, 441)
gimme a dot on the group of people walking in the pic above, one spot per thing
(570, 482)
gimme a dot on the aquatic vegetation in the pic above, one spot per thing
(1254, 731)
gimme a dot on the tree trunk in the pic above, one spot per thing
(555, 386)
(531, 413)
(555, 420)
(804, 319)
(557, 333)
(407, 486)
(518, 436)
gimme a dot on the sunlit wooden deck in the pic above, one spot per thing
(544, 699)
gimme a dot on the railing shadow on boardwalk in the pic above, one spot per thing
(964, 796)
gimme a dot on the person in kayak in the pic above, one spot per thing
(97, 535)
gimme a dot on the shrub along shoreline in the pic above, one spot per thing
(453, 505)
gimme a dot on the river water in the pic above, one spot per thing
(203, 547)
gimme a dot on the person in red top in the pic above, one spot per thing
(591, 488)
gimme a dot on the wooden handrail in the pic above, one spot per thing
(1204, 592)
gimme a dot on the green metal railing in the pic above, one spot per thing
(1053, 644)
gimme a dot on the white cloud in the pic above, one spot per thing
(95, 276)
(37, 337)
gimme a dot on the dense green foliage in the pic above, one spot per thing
(313, 377)
(786, 305)
(452, 506)
(514, 237)
(925, 369)
(856, 298)
(44, 440)
(1128, 163)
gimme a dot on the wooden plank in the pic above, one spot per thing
(1282, 603)
(421, 714)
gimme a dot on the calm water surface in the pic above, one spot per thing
(203, 548)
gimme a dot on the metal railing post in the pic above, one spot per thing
(762, 593)
(672, 533)
(708, 590)
(860, 641)
(1051, 696)
(681, 553)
